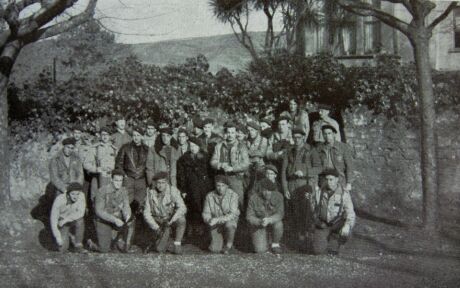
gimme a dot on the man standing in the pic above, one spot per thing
(231, 159)
(66, 167)
(132, 159)
(299, 175)
(221, 214)
(257, 149)
(150, 135)
(334, 214)
(163, 160)
(121, 137)
(266, 210)
(208, 138)
(182, 139)
(324, 119)
(336, 155)
(105, 159)
(113, 215)
(164, 208)
(280, 140)
(299, 117)
(67, 217)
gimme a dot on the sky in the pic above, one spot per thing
(140, 21)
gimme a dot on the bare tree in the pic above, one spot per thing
(419, 32)
(17, 31)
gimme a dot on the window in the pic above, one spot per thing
(456, 13)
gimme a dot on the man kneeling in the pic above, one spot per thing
(221, 213)
(114, 223)
(334, 214)
(164, 208)
(66, 215)
(266, 210)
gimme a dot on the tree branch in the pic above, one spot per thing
(443, 16)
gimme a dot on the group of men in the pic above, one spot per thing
(268, 182)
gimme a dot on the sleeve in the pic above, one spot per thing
(314, 167)
(335, 124)
(234, 211)
(81, 174)
(61, 186)
(284, 181)
(148, 214)
(181, 209)
(89, 161)
(279, 215)
(54, 217)
(348, 159)
(120, 158)
(305, 121)
(173, 172)
(243, 161)
(250, 213)
(150, 166)
(215, 159)
(207, 216)
(180, 175)
(100, 208)
(349, 212)
(80, 209)
(271, 155)
(126, 208)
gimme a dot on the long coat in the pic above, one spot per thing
(194, 179)
(160, 161)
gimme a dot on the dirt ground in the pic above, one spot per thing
(379, 255)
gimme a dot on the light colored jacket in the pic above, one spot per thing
(239, 157)
(64, 210)
(339, 204)
(163, 207)
(224, 208)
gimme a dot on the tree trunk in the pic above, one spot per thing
(4, 145)
(300, 29)
(420, 40)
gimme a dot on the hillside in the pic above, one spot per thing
(221, 51)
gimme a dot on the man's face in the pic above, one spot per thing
(150, 130)
(323, 113)
(240, 135)
(270, 175)
(73, 195)
(331, 182)
(166, 138)
(161, 185)
(68, 149)
(283, 126)
(207, 129)
(182, 138)
(105, 137)
(292, 106)
(117, 181)
(77, 134)
(121, 124)
(253, 133)
(137, 138)
(194, 148)
(220, 188)
(197, 130)
(231, 134)
(298, 139)
(329, 136)
(266, 194)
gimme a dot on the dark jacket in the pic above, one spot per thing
(341, 157)
(208, 145)
(125, 160)
(194, 179)
(62, 175)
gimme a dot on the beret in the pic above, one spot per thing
(266, 184)
(182, 130)
(221, 179)
(137, 129)
(118, 172)
(69, 141)
(324, 106)
(242, 128)
(329, 127)
(207, 121)
(272, 168)
(105, 129)
(166, 130)
(230, 124)
(265, 120)
(330, 171)
(160, 175)
(298, 131)
(194, 140)
(74, 186)
(283, 117)
(150, 123)
(254, 125)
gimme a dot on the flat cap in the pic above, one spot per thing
(69, 141)
(207, 121)
(221, 179)
(230, 124)
(194, 140)
(324, 127)
(105, 129)
(166, 130)
(138, 129)
(118, 172)
(283, 117)
(74, 186)
(330, 171)
(272, 168)
(254, 125)
(298, 131)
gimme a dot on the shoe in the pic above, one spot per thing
(177, 250)
(80, 249)
(227, 250)
(277, 250)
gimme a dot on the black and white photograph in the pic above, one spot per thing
(229, 143)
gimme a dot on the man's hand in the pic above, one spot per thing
(224, 166)
(228, 168)
(59, 240)
(170, 222)
(265, 222)
(298, 173)
(287, 194)
(345, 231)
(307, 195)
(184, 195)
(348, 187)
(61, 223)
(213, 222)
(119, 223)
